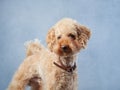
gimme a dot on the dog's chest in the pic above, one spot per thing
(63, 81)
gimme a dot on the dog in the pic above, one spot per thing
(53, 68)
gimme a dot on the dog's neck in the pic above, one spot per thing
(68, 61)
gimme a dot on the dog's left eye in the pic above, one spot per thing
(72, 36)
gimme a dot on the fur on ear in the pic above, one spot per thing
(50, 39)
(83, 34)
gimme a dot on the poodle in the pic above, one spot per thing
(53, 68)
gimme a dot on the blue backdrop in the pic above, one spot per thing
(22, 20)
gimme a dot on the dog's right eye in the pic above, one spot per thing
(72, 36)
(58, 37)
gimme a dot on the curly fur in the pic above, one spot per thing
(65, 39)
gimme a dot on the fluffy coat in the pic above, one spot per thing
(65, 39)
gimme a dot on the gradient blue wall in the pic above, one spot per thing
(22, 20)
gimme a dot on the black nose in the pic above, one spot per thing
(65, 48)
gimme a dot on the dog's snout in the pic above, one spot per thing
(65, 48)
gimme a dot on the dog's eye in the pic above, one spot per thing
(58, 37)
(72, 36)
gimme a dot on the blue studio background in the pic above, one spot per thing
(23, 20)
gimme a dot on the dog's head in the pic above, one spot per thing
(67, 37)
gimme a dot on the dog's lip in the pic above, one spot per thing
(60, 52)
(66, 53)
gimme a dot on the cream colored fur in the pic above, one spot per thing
(38, 70)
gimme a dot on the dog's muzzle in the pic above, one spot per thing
(66, 49)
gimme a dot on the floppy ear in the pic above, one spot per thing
(50, 39)
(83, 34)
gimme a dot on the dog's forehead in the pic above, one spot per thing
(65, 27)
(65, 31)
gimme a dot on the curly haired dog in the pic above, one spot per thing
(53, 69)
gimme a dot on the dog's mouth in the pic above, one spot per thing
(65, 50)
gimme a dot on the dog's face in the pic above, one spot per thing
(67, 37)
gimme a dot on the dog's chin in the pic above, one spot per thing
(66, 54)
